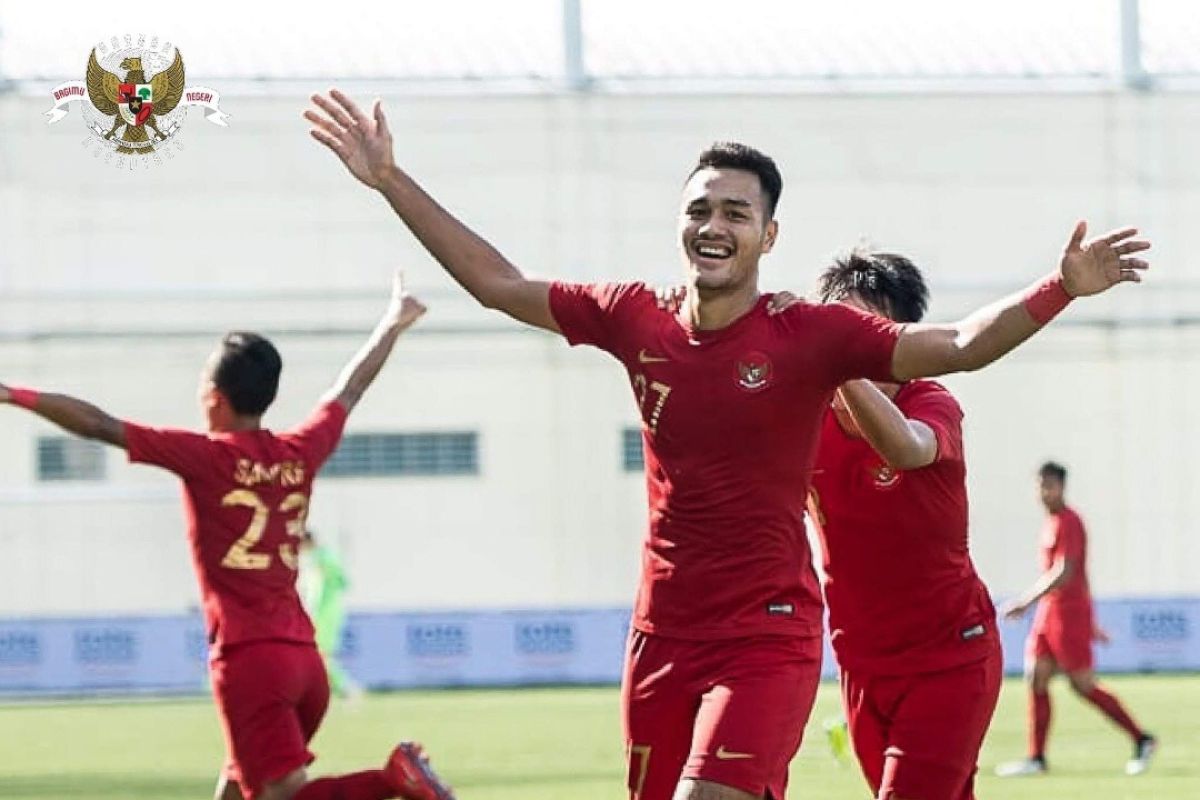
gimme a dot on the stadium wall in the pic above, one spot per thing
(114, 286)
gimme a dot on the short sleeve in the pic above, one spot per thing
(855, 344)
(182, 452)
(932, 404)
(588, 313)
(1068, 541)
(319, 435)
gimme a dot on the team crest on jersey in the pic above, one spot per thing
(884, 476)
(134, 100)
(754, 371)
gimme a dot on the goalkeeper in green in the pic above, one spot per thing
(325, 589)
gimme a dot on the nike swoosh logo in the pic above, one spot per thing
(646, 358)
(729, 755)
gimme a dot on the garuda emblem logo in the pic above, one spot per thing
(134, 100)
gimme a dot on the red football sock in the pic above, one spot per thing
(368, 785)
(1112, 708)
(1039, 723)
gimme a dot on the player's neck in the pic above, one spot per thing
(713, 310)
(237, 424)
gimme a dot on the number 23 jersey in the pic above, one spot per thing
(246, 497)
(730, 420)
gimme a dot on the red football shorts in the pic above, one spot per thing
(271, 697)
(1066, 639)
(918, 736)
(729, 711)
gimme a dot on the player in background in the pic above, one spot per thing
(911, 623)
(725, 649)
(1064, 628)
(246, 493)
(325, 583)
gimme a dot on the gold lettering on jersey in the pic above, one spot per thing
(642, 388)
(285, 473)
(240, 555)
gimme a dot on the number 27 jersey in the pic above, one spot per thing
(246, 497)
(730, 420)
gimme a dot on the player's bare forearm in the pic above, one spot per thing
(927, 350)
(1058, 574)
(994, 330)
(477, 266)
(361, 371)
(901, 442)
(72, 415)
(364, 144)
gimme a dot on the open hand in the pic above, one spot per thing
(781, 301)
(364, 144)
(1102, 263)
(670, 298)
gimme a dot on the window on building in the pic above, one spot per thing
(632, 458)
(65, 458)
(373, 454)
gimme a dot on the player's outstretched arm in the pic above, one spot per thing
(1085, 269)
(364, 144)
(402, 311)
(902, 442)
(74, 416)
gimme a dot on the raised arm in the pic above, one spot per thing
(902, 442)
(364, 144)
(402, 311)
(1085, 269)
(72, 415)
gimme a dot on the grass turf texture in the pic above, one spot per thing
(558, 743)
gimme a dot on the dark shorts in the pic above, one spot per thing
(731, 711)
(918, 736)
(271, 697)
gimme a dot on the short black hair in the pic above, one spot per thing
(735, 155)
(246, 370)
(888, 281)
(1052, 469)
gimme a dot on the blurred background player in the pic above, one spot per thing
(724, 656)
(911, 623)
(325, 583)
(246, 493)
(1064, 628)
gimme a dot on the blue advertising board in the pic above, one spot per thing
(116, 655)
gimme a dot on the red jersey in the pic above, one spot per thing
(246, 496)
(1063, 536)
(730, 420)
(903, 594)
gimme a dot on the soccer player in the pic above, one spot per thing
(912, 625)
(1064, 628)
(326, 583)
(246, 495)
(724, 656)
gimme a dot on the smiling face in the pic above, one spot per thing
(724, 228)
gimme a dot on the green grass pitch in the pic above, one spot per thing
(561, 743)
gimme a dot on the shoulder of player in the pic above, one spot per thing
(1069, 514)
(925, 390)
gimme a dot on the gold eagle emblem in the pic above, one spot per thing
(134, 100)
